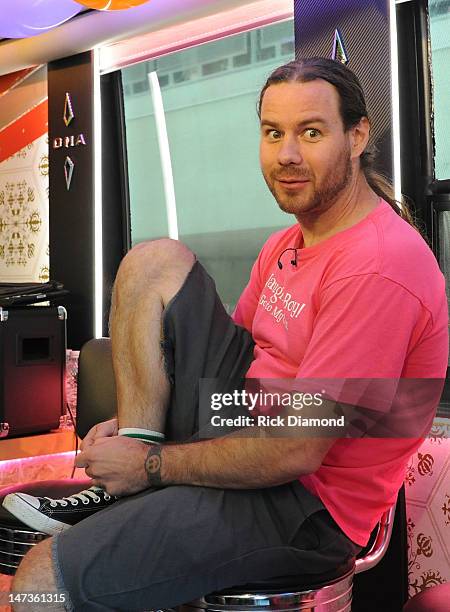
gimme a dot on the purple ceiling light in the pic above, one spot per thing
(23, 18)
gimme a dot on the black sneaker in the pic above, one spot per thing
(52, 516)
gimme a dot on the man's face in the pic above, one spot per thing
(304, 151)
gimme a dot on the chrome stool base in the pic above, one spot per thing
(14, 544)
(331, 597)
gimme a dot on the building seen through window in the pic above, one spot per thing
(224, 210)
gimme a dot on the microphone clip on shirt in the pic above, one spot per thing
(293, 261)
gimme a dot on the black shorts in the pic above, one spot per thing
(201, 341)
(164, 547)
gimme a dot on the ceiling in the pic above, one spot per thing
(28, 18)
(108, 30)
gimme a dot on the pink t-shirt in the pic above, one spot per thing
(369, 302)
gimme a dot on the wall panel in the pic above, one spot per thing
(24, 174)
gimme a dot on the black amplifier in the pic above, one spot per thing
(32, 369)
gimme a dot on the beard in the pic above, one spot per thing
(322, 197)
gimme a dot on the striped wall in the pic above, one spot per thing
(24, 169)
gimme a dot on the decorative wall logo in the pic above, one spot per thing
(339, 53)
(68, 116)
(68, 111)
(68, 171)
(111, 5)
(68, 142)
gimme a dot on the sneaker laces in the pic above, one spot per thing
(83, 496)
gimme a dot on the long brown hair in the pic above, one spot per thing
(352, 108)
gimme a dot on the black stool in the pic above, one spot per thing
(329, 592)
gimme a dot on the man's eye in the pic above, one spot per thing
(312, 133)
(273, 134)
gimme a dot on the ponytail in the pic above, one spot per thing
(384, 188)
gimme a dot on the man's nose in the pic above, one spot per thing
(290, 152)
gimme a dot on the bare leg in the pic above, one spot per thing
(148, 277)
(35, 575)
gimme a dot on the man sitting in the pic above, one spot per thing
(361, 297)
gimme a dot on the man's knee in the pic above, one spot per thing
(159, 267)
(36, 575)
(150, 260)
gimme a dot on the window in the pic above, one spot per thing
(225, 211)
(439, 11)
(440, 52)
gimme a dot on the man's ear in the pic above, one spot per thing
(359, 137)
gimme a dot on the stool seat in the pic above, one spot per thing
(281, 584)
(306, 593)
(51, 488)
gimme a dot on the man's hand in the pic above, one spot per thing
(102, 430)
(117, 464)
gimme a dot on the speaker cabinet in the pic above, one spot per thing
(32, 369)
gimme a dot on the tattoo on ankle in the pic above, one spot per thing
(153, 465)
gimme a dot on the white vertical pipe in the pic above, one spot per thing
(98, 209)
(395, 103)
(164, 153)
